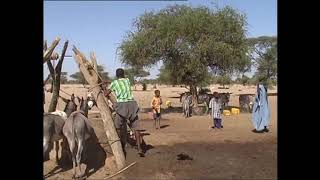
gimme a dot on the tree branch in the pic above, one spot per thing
(64, 99)
(94, 61)
(59, 65)
(48, 52)
(51, 69)
(45, 46)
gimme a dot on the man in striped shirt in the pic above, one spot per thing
(215, 105)
(126, 108)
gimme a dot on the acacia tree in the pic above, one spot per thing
(263, 52)
(224, 80)
(78, 76)
(64, 78)
(134, 73)
(191, 42)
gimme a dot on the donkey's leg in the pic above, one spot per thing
(72, 149)
(74, 176)
(46, 148)
(78, 156)
(57, 152)
(187, 111)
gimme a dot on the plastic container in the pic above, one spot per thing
(226, 112)
(235, 111)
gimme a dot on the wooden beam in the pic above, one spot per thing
(51, 70)
(59, 65)
(45, 46)
(56, 80)
(94, 61)
(48, 52)
(93, 58)
(103, 107)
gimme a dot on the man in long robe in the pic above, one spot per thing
(261, 112)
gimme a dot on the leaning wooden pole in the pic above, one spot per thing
(89, 69)
(56, 74)
(48, 52)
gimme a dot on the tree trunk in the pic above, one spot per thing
(193, 90)
(55, 97)
(56, 74)
(48, 52)
(92, 78)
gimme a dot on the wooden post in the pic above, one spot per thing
(48, 52)
(111, 97)
(87, 68)
(55, 74)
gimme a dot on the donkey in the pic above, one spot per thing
(187, 105)
(225, 98)
(77, 130)
(204, 98)
(52, 127)
(246, 102)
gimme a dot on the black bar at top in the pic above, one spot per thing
(115, 0)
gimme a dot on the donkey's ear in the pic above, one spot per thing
(72, 97)
(79, 100)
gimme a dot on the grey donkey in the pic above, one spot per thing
(77, 130)
(52, 127)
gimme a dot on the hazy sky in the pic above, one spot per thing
(100, 26)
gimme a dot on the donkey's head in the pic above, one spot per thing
(86, 105)
(71, 106)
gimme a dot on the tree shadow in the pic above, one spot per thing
(164, 126)
(174, 97)
(145, 147)
(172, 110)
(141, 130)
(244, 109)
(230, 107)
(94, 157)
(144, 134)
(164, 111)
(64, 164)
(61, 168)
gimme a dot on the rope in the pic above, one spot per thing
(121, 170)
(95, 86)
(65, 92)
(98, 74)
(113, 141)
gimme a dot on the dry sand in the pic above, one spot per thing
(232, 153)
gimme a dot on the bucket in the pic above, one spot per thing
(168, 104)
(235, 111)
(226, 112)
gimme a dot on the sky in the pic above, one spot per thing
(100, 26)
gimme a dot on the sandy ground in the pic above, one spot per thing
(232, 153)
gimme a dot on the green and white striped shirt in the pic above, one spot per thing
(122, 89)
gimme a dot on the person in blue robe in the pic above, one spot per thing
(261, 111)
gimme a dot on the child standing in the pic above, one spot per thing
(215, 105)
(156, 107)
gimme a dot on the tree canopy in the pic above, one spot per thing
(263, 52)
(191, 42)
(134, 72)
(78, 76)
